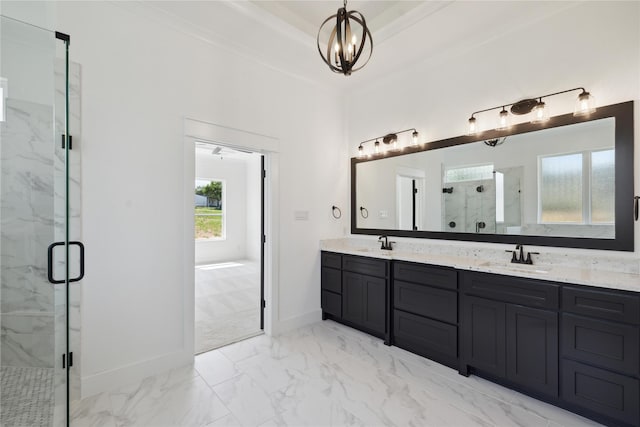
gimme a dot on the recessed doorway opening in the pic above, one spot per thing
(229, 245)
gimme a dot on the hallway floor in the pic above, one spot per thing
(227, 307)
(321, 375)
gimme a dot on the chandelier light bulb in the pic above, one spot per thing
(377, 147)
(414, 137)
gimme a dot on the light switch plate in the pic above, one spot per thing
(301, 215)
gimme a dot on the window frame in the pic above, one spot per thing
(586, 187)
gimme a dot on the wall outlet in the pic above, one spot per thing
(383, 214)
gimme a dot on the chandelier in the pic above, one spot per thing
(347, 41)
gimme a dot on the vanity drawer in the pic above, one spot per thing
(606, 344)
(435, 303)
(517, 290)
(331, 280)
(609, 305)
(426, 274)
(601, 392)
(332, 303)
(429, 338)
(368, 266)
(330, 259)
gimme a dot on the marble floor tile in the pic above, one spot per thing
(227, 304)
(325, 374)
(95, 411)
(249, 403)
(214, 367)
(190, 402)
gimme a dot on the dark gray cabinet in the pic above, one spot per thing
(577, 347)
(600, 352)
(504, 338)
(331, 285)
(364, 301)
(483, 332)
(532, 348)
(355, 291)
(425, 311)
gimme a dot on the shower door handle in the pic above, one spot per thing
(50, 262)
(81, 246)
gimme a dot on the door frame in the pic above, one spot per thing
(267, 146)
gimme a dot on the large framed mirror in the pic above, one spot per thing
(567, 182)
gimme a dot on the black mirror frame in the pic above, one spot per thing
(624, 190)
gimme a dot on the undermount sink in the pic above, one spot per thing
(523, 268)
(372, 250)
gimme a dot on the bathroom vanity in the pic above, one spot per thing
(558, 334)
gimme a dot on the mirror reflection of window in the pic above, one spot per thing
(577, 188)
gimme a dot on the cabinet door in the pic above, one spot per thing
(375, 303)
(352, 297)
(532, 348)
(484, 334)
(364, 301)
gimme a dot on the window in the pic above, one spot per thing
(209, 209)
(468, 173)
(577, 188)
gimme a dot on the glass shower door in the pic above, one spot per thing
(33, 215)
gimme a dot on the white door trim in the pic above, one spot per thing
(198, 130)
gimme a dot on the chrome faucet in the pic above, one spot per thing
(386, 244)
(517, 256)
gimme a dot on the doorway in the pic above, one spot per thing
(229, 255)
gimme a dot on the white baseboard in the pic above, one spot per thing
(112, 379)
(296, 322)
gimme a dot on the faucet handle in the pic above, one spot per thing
(529, 260)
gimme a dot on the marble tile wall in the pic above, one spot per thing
(32, 213)
(466, 206)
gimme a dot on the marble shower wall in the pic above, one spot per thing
(32, 217)
(465, 206)
(26, 229)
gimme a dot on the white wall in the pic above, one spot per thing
(233, 171)
(590, 44)
(140, 79)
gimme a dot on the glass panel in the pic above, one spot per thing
(32, 190)
(561, 188)
(603, 186)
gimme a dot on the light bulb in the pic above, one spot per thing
(354, 40)
(503, 121)
(473, 125)
(585, 104)
(360, 151)
(377, 147)
(414, 137)
(540, 112)
(395, 144)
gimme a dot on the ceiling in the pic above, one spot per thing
(308, 15)
(281, 35)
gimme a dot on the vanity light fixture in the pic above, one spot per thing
(390, 139)
(348, 40)
(585, 104)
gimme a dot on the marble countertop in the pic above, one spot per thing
(465, 261)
